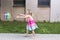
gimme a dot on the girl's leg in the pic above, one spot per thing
(33, 32)
(27, 33)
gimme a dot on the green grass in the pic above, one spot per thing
(48, 28)
(20, 27)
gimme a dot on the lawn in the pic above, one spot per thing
(19, 27)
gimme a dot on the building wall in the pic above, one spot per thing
(55, 11)
(6, 5)
(16, 11)
(39, 13)
(44, 14)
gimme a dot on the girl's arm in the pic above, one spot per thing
(21, 16)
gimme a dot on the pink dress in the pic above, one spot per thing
(31, 25)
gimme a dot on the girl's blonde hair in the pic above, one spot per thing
(29, 12)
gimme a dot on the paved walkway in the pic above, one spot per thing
(11, 36)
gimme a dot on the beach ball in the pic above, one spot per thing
(7, 16)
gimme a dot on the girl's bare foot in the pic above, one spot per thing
(26, 35)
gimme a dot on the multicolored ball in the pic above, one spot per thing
(7, 16)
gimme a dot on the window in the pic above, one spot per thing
(43, 3)
(19, 3)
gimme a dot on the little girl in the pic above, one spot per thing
(31, 25)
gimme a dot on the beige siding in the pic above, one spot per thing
(6, 5)
(39, 13)
(55, 11)
(44, 14)
(16, 11)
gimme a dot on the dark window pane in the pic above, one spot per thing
(19, 3)
(44, 3)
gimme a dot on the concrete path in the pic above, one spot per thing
(12, 36)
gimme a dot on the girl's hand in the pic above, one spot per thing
(21, 14)
(17, 16)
